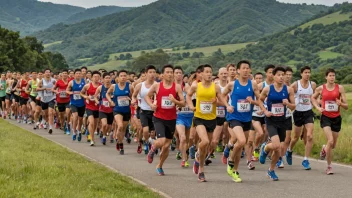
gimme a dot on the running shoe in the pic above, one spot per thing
(86, 133)
(272, 175)
(173, 144)
(67, 131)
(218, 148)
(289, 157)
(224, 159)
(178, 155)
(96, 133)
(160, 171)
(242, 154)
(186, 164)
(45, 125)
(256, 154)
(227, 151)
(229, 170)
(50, 131)
(263, 155)
(192, 152)
(117, 146)
(135, 139)
(139, 148)
(101, 135)
(305, 164)
(103, 140)
(323, 153)
(92, 143)
(146, 148)
(183, 163)
(35, 127)
(329, 171)
(150, 156)
(122, 152)
(280, 163)
(236, 177)
(195, 167)
(212, 156)
(74, 136)
(250, 165)
(79, 138)
(201, 177)
(88, 138)
(56, 125)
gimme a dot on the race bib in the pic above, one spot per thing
(77, 96)
(186, 110)
(91, 98)
(331, 106)
(8, 90)
(166, 103)
(256, 108)
(243, 106)
(206, 107)
(288, 113)
(123, 101)
(48, 93)
(106, 103)
(220, 112)
(304, 99)
(62, 94)
(278, 109)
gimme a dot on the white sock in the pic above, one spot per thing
(305, 158)
(50, 127)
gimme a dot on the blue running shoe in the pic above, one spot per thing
(289, 157)
(280, 163)
(263, 155)
(87, 133)
(192, 152)
(306, 165)
(272, 175)
(242, 155)
(103, 140)
(146, 148)
(67, 132)
(79, 138)
(74, 136)
(227, 152)
(160, 171)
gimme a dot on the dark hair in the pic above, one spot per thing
(105, 74)
(199, 68)
(158, 71)
(243, 62)
(269, 67)
(65, 70)
(230, 65)
(304, 68)
(121, 71)
(77, 70)
(130, 73)
(278, 69)
(148, 67)
(84, 67)
(179, 68)
(89, 71)
(96, 72)
(330, 70)
(46, 69)
(167, 66)
(288, 69)
(206, 66)
(258, 73)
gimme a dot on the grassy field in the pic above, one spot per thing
(328, 19)
(324, 55)
(34, 167)
(50, 44)
(110, 65)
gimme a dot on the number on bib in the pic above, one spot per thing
(206, 107)
(243, 106)
(106, 103)
(48, 93)
(63, 94)
(166, 103)
(220, 112)
(331, 106)
(304, 99)
(278, 109)
(76, 96)
(123, 101)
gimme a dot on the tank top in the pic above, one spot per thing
(144, 91)
(185, 111)
(75, 98)
(2, 88)
(104, 103)
(14, 84)
(302, 97)
(48, 95)
(90, 102)
(165, 109)
(205, 107)
(242, 108)
(275, 106)
(62, 96)
(221, 110)
(24, 94)
(34, 85)
(121, 99)
(8, 89)
(328, 102)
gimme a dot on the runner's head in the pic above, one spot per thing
(269, 72)
(279, 75)
(244, 68)
(18, 75)
(199, 73)
(185, 79)
(34, 75)
(107, 78)
(3, 76)
(84, 71)
(26, 75)
(330, 75)
(47, 73)
(131, 76)
(89, 74)
(258, 77)
(71, 74)
(78, 74)
(8, 74)
(178, 72)
(40, 75)
(150, 72)
(207, 73)
(122, 76)
(223, 74)
(288, 74)
(305, 73)
(231, 68)
(96, 76)
(64, 74)
(168, 73)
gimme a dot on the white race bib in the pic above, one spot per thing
(256, 108)
(77, 96)
(62, 94)
(288, 113)
(123, 101)
(91, 98)
(304, 99)
(220, 112)
(206, 107)
(106, 103)
(331, 106)
(186, 110)
(278, 109)
(243, 106)
(166, 103)
(48, 93)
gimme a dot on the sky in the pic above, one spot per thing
(134, 3)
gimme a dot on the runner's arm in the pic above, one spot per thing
(150, 94)
(27, 87)
(40, 86)
(181, 101)
(291, 105)
(135, 93)
(84, 91)
(343, 99)
(108, 94)
(69, 88)
(221, 101)
(256, 91)
(97, 93)
(262, 98)
(190, 93)
(315, 97)
(294, 87)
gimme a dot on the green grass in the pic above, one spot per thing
(51, 44)
(324, 55)
(328, 19)
(32, 166)
(110, 65)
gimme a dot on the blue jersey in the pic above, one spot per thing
(242, 108)
(75, 98)
(121, 99)
(274, 102)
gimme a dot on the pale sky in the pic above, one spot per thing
(134, 3)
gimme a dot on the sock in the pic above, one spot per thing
(50, 127)
(305, 158)
(230, 163)
(104, 136)
(121, 146)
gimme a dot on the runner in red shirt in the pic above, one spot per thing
(333, 97)
(164, 113)
(24, 95)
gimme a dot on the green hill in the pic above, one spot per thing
(170, 23)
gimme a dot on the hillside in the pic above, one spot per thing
(96, 12)
(170, 23)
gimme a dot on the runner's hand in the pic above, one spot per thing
(230, 109)
(285, 102)
(112, 104)
(172, 98)
(268, 113)
(338, 102)
(260, 112)
(153, 107)
(321, 110)
(192, 108)
(249, 99)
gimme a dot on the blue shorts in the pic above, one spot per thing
(185, 120)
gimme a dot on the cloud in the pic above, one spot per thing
(95, 3)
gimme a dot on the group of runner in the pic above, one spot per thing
(235, 112)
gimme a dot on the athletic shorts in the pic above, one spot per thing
(63, 106)
(8, 97)
(23, 101)
(184, 120)
(147, 119)
(276, 128)
(108, 116)
(125, 116)
(164, 128)
(95, 114)
(79, 110)
(208, 124)
(32, 98)
(138, 113)
(259, 119)
(2, 99)
(303, 117)
(17, 98)
(334, 123)
(246, 126)
(46, 105)
(220, 121)
(38, 102)
(289, 124)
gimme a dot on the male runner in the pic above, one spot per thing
(8, 99)
(3, 95)
(32, 88)
(24, 96)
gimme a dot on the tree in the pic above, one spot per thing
(122, 57)
(128, 56)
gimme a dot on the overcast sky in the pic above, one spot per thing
(134, 3)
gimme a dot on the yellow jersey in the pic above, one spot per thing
(206, 102)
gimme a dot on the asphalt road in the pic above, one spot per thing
(181, 182)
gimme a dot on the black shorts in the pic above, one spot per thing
(208, 124)
(259, 119)
(164, 128)
(46, 105)
(334, 123)
(95, 114)
(246, 126)
(138, 114)
(147, 119)
(32, 98)
(63, 106)
(108, 116)
(2, 99)
(276, 128)
(220, 121)
(38, 102)
(23, 101)
(8, 97)
(289, 124)
(301, 118)
(79, 110)
(17, 98)
(125, 116)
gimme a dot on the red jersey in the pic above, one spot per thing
(328, 102)
(90, 102)
(165, 109)
(62, 96)
(24, 85)
(104, 103)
